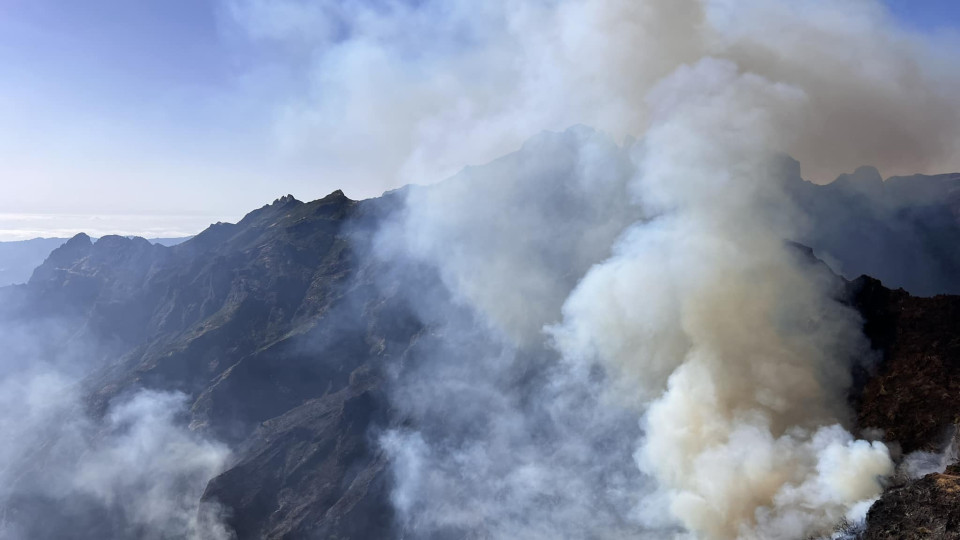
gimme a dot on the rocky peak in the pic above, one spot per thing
(271, 211)
(79, 239)
(865, 181)
(285, 200)
(64, 256)
(337, 195)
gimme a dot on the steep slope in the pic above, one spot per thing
(914, 395)
(270, 317)
(312, 472)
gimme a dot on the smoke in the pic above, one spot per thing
(153, 468)
(493, 74)
(661, 269)
(574, 188)
(496, 438)
(919, 463)
(137, 471)
(739, 351)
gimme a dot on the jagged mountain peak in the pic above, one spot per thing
(286, 199)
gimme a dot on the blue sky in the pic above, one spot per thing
(119, 107)
(200, 109)
(927, 15)
(119, 95)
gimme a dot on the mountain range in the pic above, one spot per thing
(283, 337)
(19, 258)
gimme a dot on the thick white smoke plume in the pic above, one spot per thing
(698, 320)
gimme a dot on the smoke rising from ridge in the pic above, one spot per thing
(748, 369)
(691, 312)
(65, 472)
(501, 441)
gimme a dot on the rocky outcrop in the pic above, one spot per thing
(926, 509)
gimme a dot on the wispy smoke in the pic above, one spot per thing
(497, 237)
(921, 463)
(154, 469)
(503, 441)
(66, 472)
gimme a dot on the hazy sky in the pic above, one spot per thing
(161, 116)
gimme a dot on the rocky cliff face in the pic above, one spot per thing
(925, 508)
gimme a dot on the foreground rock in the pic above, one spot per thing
(928, 508)
(913, 397)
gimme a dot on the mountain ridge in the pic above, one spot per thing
(284, 333)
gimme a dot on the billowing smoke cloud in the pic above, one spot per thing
(401, 78)
(137, 472)
(737, 346)
(684, 306)
(503, 441)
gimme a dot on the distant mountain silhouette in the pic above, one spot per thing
(19, 258)
(902, 230)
